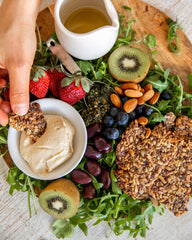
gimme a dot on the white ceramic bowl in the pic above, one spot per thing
(58, 107)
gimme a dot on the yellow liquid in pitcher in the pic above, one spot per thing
(85, 20)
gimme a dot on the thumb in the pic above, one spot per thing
(19, 88)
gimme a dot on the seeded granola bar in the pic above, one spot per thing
(33, 123)
(157, 163)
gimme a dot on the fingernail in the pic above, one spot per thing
(20, 109)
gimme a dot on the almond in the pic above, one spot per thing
(148, 87)
(138, 87)
(143, 121)
(115, 100)
(148, 95)
(142, 90)
(130, 105)
(133, 93)
(118, 90)
(155, 98)
(141, 100)
(129, 85)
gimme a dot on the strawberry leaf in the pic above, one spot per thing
(66, 81)
(37, 73)
(77, 82)
(85, 84)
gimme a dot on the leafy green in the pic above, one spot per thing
(172, 36)
(120, 211)
(21, 182)
(190, 80)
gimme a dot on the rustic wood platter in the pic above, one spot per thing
(149, 20)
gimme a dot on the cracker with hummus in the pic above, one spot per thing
(33, 123)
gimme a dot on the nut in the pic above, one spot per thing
(115, 100)
(148, 87)
(129, 85)
(143, 121)
(141, 100)
(118, 90)
(148, 95)
(130, 105)
(138, 87)
(133, 93)
(142, 90)
(155, 98)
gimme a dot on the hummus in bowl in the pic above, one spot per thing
(58, 151)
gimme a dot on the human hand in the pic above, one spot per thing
(17, 50)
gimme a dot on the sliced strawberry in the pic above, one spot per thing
(39, 83)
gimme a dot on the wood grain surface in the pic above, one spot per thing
(14, 221)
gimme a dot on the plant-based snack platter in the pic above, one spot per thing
(144, 19)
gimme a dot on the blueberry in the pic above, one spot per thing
(111, 133)
(108, 121)
(139, 110)
(165, 95)
(121, 131)
(122, 118)
(124, 99)
(114, 111)
(147, 111)
(132, 116)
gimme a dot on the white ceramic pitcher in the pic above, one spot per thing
(93, 44)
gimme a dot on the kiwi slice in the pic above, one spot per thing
(128, 64)
(60, 199)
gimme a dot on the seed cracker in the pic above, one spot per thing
(159, 165)
(33, 123)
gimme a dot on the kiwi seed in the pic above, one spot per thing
(60, 199)
(128, 64)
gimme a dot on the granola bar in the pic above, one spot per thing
(33, 123)
(157, 163)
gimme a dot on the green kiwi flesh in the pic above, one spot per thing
(57, 204)
(128, 64)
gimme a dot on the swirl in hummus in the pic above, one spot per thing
(52, 149)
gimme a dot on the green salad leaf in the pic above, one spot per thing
(173, 38)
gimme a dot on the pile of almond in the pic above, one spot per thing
(137, 95)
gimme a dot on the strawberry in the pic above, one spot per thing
(55, 75)
(73, 88)
(6, 94)
(39, 83)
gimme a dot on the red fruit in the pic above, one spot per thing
(71, 93)
(39, 83)
(3, 73)
(6, 94)
(55, 75)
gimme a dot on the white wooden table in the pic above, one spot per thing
(15, 223)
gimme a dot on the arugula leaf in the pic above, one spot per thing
(83, 228)
(190, 80)
(156, 117)
(85, 66)
(63, 229)
(150, 40)
(21, 182)
(173, 39)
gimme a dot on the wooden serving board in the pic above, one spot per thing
(149, 20)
